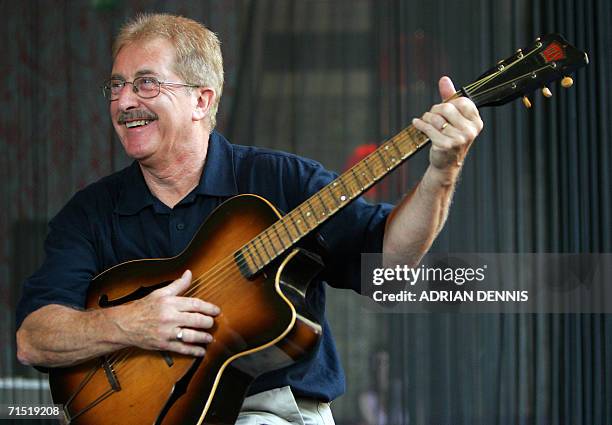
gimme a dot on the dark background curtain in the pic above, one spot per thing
(322, 79)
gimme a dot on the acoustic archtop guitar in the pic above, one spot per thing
(245, 260)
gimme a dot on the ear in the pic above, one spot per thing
(205, 97)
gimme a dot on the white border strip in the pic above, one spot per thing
(23, 384)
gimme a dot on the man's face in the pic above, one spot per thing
(169, 116)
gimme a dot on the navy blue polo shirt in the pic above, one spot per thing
(118, 219)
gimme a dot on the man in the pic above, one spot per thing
(164, 91)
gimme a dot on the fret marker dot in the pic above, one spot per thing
(343, 198)
(307, 213)
(386, 148)
(335, 184)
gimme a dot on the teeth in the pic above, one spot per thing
(131, 124)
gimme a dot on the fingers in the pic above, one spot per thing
(192, 336)
(437, 121)
(195, 320)
(457, 122)
(177, 287)
(461, 113)
(196, 305)
(440, 137)
(189, 343)
(446, 88)
(452, 126)
(155, 321)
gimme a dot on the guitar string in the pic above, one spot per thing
(198, 284)
(117, 362)
(258, 240)
(513, 80)
(479, 83)
(198, 287)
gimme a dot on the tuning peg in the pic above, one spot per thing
(567, 82)
(546, 92)
(526, 102)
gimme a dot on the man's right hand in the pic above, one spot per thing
(155, 321)
(57, 335)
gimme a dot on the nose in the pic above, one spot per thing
(127, 97)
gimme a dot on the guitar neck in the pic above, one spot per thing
(324, 204)
(548, 59)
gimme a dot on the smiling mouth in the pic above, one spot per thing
(139, 123)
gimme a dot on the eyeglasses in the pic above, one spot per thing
(144, 87)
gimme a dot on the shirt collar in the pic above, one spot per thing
(135, 194)
(218, 179)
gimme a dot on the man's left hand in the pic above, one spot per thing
(452, 126)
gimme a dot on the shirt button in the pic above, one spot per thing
(180, 226)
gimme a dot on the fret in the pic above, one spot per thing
(377, 167)
(291, 237)
(367, 164)
(324, 210)
(247, 253)
(356, 178)
(242, 263)
(316, 209)
(305, 220)
(349, 194)
(399, 152)
(408, 144)
(297, 220)
(382, 160)
(311, 214)
(320, 209)
(413, 144)
(257, 251)
(280, 239)
(361, 169)
(335, 189)
(388, 157)
(265, 233)
(417, 138)
(336, 199)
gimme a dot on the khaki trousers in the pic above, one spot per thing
(280, 407)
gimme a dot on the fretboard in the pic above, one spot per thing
(321, 206)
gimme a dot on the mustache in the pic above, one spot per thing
(126, 116)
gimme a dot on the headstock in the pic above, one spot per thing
(550, 58)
